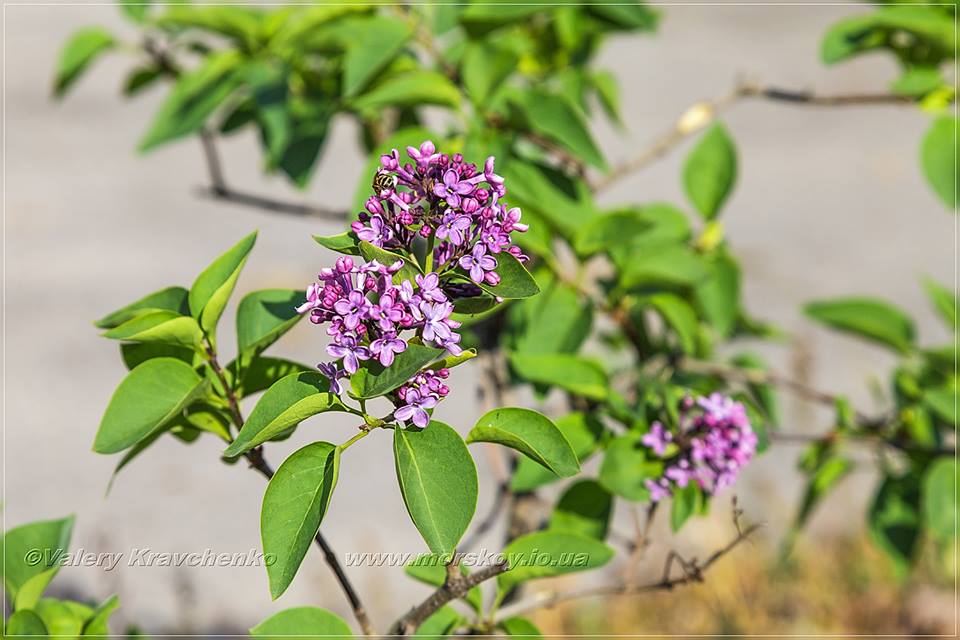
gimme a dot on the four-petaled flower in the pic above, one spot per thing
(477, 262)
(453, 228)
(387, 347)
(452, 188)
(415, 408)
(352, 308)
(350, 351)
(333, 373)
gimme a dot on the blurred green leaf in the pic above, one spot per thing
(25, 623)
(939, 499)
(23, 580)
(78, 53)
(866, 317)
(584, 508)
(485, 68)
(546, 554)
(939, 158)
(301, 621)
(520, 627)
(139, 79)
(372, 43)
(918, 82)
(410, 89)
(678, 315)
(675, 265)
(710, 171)
(686, 501)
(555, 118)
(196, 95)
(718, 296)
(573, 373)
(944, 301)
(894, 519)
(626, 465)
(621, 226)
(240, 24)
(929, 32)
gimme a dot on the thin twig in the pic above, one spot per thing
(455, 586)
(701, 114)
(257, 461)
(693, 571)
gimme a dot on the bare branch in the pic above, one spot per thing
(693, 571)
(455, 586)
(701, 114)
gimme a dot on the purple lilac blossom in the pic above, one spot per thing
(713, 443)
(423, 391)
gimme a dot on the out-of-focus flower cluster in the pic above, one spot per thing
(713, 442)
(455, 209)
(454, 205)
(367, 313)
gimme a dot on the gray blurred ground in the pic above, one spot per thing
(829, 202)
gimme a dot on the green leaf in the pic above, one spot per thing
(286, 404)
(301, 622)
(346, 243)
(894, 519)
(62, 618)
(555, 118)
(938, 155)
(667, 265)
(374, 42)
(430, 568)
(867, 318)
(918, 82)
(575, 374)
(530, 433)
(212, 288)
(484, 68)
(438, 481)
(296, 499)
(944, 301)
(520, 627)
(685, 502)
(718, 296)
(582, 431)
(585, 509)
(193, 99)
(939, 499)
(942, 401)
(564, 203)
(139, 79)
(410, 89)
(546, 553)
(556, 321)
(630, 16)
(241, 24)
(169, 299)
(269, 85)
(310, 123)
(710, 171)
(515, 280)
(373, 379)
(441, 624)
(151, 395)
(409, 270)
(612, 229)
(96, 625)
(626, 465)
(136, 10)
(858, 34)
(81, 50)
(25, 623)
(24, 577)
(263, 316)
(680, 316)
(608, 92)
(164, 327)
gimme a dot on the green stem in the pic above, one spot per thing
(363, 434)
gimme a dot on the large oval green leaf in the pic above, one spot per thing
(546, 553)
(302, 622)
(438, 481)
(293, 507)
(212, 288)
(169, 299)
(515, 281)
(288, 402)
(939, 157)
(939, 499)
(152, 394)
(584, 509)
(373, 379)
(868, 318)
(581, 431)
(24, 581)
(710, 171)
(25, 623)
(164, 327)
(263, 316)
(530, 433)
(575, 374)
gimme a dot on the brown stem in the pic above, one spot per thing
(455, 586)
(257, 461)
(693, 571)
(702, 113)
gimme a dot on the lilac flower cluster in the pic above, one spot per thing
(367, 314)
(451, 203)
(714, 441)
(422, 392)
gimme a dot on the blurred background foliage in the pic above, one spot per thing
(641, 300)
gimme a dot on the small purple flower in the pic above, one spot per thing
(452, 188)
(416, 408)
(333, 373)
(348, 349)
(453, 228)
(657, 438)
(430, 287)
(376, 234)
(477, 262)
(386, 348)
(352, 308)
(387, 311)
(434, 320)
